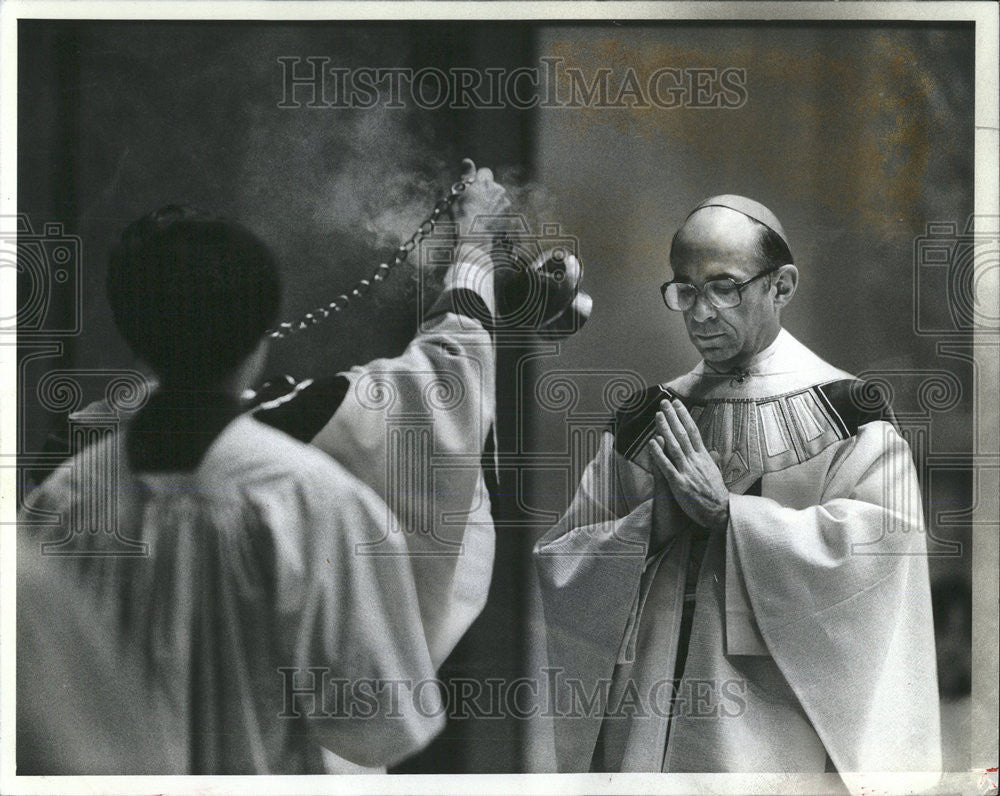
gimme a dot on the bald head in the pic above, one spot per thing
(736, 241)
(718, 233)
(735, 228)
(749, 208)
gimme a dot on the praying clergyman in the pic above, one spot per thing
(741, 578)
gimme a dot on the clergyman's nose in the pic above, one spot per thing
(702, 309)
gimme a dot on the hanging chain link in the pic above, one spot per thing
(364, 285)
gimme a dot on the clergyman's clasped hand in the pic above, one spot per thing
(691, 471)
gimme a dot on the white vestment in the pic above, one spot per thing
(811, 645)
(255, 564)
(271, 559)
(413, 428)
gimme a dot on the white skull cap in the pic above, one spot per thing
(749, 208)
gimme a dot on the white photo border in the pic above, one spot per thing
(986, 539)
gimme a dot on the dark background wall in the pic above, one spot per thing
(856, 136)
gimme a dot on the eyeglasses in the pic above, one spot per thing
(721, 293)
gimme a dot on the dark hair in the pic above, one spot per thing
(192, 293)
(771, 248)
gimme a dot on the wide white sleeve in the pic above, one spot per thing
(413, 428)
(597, 526)
(589, 569)
(83, 706)
(599, 548)
(348, 599)
(840, 594)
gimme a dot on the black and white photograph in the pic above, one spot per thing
(499, 397)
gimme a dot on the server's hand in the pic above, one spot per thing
(483, 199)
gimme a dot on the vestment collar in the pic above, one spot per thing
(784, 366)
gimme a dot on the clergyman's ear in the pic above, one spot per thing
(785, 281)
